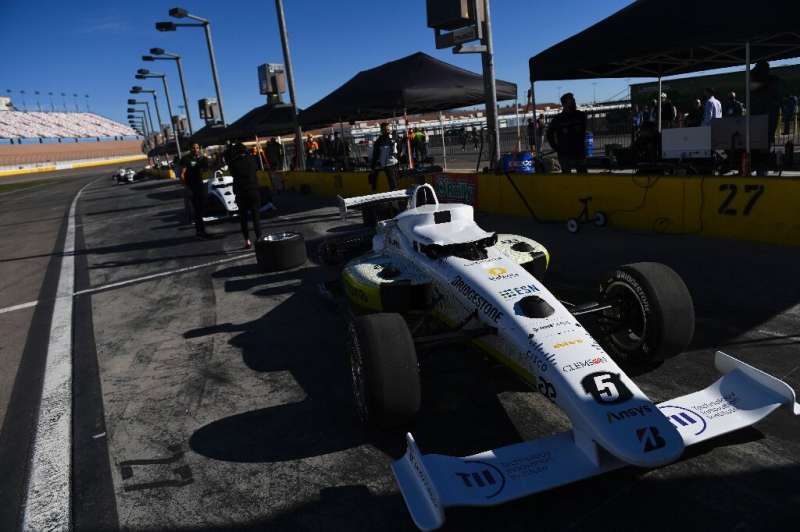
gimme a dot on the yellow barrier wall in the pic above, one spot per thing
(753, 208)
(67, 166)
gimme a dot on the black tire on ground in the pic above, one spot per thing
(280, 251)
(383, 360)
(653, 310)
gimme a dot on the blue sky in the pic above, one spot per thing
(94, 47)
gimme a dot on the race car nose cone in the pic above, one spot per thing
(534, 307)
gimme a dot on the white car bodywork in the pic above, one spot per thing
(221, 197)
(556, 356)
(124, 175)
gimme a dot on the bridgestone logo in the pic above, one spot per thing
(476, 299)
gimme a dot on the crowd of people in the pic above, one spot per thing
(242, 164)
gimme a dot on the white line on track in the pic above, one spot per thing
(160, 274)
(21, 306)
(48, 504)
(135, 280)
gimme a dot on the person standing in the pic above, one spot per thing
(712, 108)
(341, 152)
(275, 155)
(243, 167)
(193, 165)
(384, 157)
(567, 136)
(732, 106)
(532, 132)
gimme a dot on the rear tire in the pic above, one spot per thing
(599, 219)
(653, 315)
(280, 251)
(383, 360)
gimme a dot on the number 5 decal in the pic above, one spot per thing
(606, 388)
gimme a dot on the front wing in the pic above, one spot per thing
(429, 483)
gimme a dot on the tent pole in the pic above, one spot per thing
(516, 111)
(537, 136)
(747, 104)
(659, 104)
(408, 141)
(444, 142)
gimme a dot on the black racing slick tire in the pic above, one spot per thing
(280, 251)
(383, 360)
(652, 314)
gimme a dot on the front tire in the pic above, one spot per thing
(383, 360)
(652, 314)
(573, 226)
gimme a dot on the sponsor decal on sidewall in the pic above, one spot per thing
(476, 299)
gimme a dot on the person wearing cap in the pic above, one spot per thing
(732, 106)
(384, 157)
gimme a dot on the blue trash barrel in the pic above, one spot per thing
(524, 163)
(589, 144)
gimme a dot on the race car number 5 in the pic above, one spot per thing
(753, 193)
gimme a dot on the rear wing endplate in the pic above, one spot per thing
(370, 199)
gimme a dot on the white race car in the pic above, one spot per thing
(431, 264)
(221, 202)
(124, 176)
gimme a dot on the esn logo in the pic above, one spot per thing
(650, 439)
(606, 388)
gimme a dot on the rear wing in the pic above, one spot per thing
(370, 199)
(743, 396)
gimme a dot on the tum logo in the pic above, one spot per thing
(482, 477)
(685, 419)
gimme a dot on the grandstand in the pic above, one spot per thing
(18, 125)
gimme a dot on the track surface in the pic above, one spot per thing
(219, 398)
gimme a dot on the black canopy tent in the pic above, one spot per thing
(657, 38)
(263, 121)
(414, 84)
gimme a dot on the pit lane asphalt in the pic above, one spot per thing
(219, 398)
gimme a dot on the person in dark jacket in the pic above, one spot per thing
(193, 165)
(567, 135)
(243, 167)
(384, 157)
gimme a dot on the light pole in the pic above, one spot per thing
(140, 90)
(594, 93)
(147, 106)
(75, 99)
(64, 100)
(143, 73)
(87, 103)
(24, 104)
(159, 53)
(287, 59)
(179, 12)
(131, 114)
(38, 102)
(52, 105)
